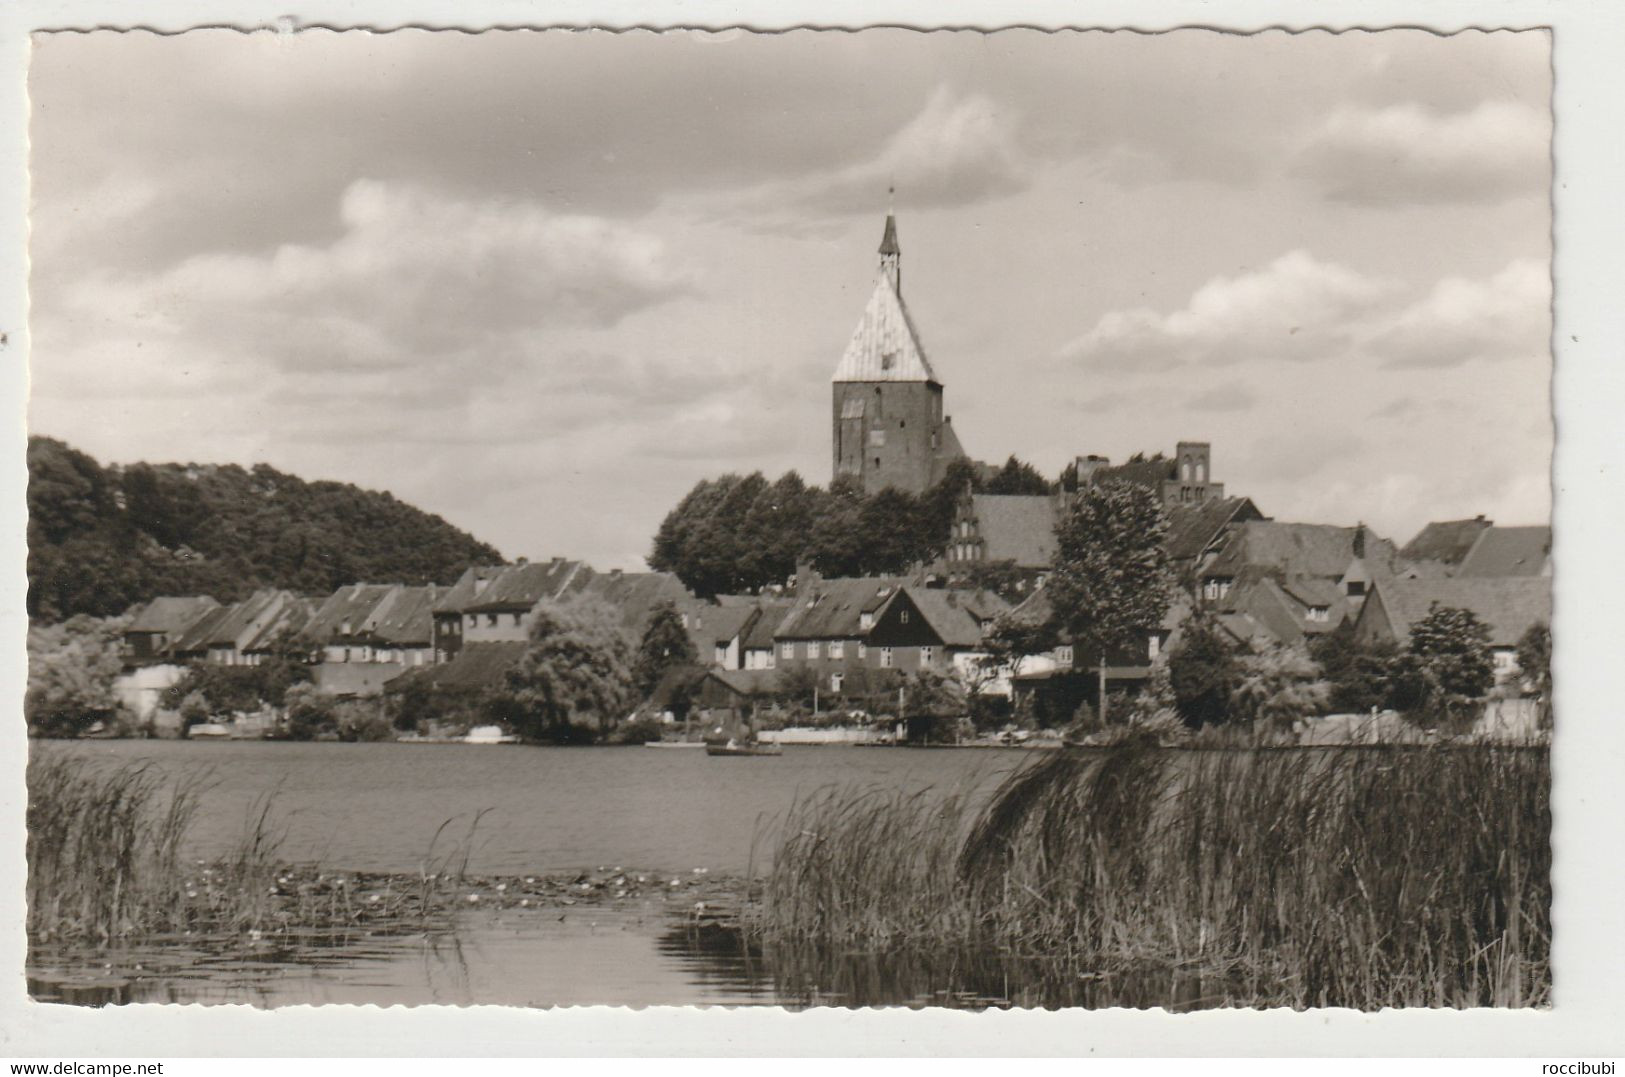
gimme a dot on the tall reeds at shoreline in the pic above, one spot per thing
(1362, 877)
(108, 861)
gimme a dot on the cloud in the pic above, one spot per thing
(1295, 309)
(1298, 309)
(959, 150)
(1405, 154)
(1505, 317)
(1222, 398)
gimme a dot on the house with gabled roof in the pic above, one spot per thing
(719, 631)
(931, 628)
(339, 627)
(759, 649)
(160, 623)
(1351, 557)
(1508, 605)
(1440, 547)
(496, 603)
(827, 627)
(1509, 551)
(242, 633)
(637, 594)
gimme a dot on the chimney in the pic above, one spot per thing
(807, 578)
(1359, 541)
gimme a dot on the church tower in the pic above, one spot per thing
(889, 425)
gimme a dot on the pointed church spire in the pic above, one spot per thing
(891, 254)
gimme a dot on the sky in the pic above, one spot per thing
(541, 283)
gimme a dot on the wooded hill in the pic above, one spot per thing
(103, 538)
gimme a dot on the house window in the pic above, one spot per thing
(787, 650)
(866, 620)
(471, 620)
(1153, 647)
(1505, 661)
(863, 650)
(1063, 656)
(812, 649)
(835, 680)
(837, 649)
(490, 620)
(516, 619)
(1319, 614)
(1356, 588)
(903, 616)
(927, 655)
(721, 655)
(885, 658)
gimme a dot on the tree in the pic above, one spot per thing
(72, 667)
(1110, 583)
(1535, 659)
(104, 538)
(1361, 676)
(1203, 672)
(310, 712)
(1451, 648)
(665, 644)
(1018, 477)
(575, 677)
(1276, 685)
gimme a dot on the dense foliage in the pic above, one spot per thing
(1203, 672)
(1535, 659)
(575, 681)
(665, 644)
(104, 538)
(71, 669)
(740, 533)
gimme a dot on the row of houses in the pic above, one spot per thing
(1262, 580)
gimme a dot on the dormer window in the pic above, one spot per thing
(866, 620)
(1356, 588)
(1319, 614)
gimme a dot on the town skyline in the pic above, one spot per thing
(497, 313)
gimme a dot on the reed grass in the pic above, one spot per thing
(107, 861)
(1363, 877)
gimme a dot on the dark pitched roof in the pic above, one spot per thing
(1509, 605)
(405, 617)
(1509, 551)
(833, 609)
(477, 665)
(1287, 549)
(759, 636)
(747, 681)
(636, 594)
(197, 635)
(288, 619)
(1016, 528)
(1446, 541)
(720, 624)
(171, 614)
(245, 620)
(520, 587)
(345, 611)
(1192, 528)
(957, 617)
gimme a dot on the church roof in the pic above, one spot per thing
(885, 346)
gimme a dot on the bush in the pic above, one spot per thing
(1203, 672)
(640, 730)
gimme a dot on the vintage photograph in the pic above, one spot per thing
(814, 519)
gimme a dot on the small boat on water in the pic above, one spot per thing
(673, 744)
(737, 748)
(490, 734)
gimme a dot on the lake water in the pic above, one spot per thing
(377, 807)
